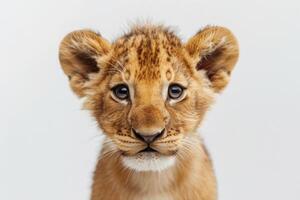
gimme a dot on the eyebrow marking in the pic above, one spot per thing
(127, 75)
(169, 75)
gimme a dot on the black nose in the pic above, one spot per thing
(147, 138)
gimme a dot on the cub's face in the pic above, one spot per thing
(147, 90)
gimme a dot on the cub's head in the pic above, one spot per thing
(147, 90)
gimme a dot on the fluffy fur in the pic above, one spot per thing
(148, 59)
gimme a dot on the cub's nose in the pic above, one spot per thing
(148, 138)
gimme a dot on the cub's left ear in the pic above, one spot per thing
(214, 50)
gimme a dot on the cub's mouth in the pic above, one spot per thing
(154, 152)
(148, 159)
(148, 149)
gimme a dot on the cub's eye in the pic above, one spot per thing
(175, 91)
(121, 91)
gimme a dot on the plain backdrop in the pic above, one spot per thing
(49, 146)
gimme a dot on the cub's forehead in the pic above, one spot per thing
(148, 52)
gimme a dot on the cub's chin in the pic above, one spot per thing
(148, 160)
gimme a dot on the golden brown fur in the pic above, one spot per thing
(148, 59)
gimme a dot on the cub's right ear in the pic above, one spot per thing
(79, 55)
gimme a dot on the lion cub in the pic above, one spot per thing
(149, 92)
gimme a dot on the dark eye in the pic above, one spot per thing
(121, 91)
(175, 91)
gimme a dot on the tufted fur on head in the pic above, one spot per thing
(151, 150)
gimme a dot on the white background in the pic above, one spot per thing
(48, 146)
